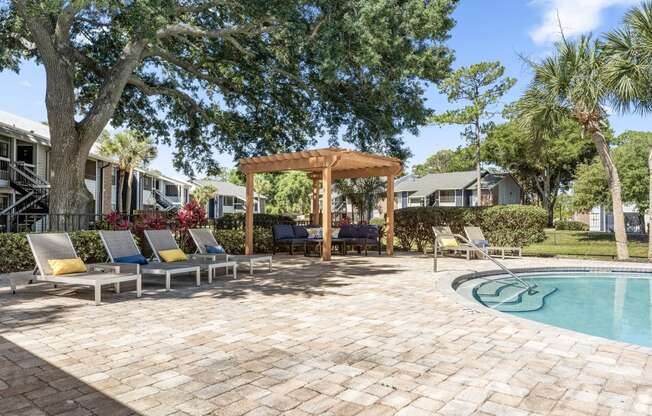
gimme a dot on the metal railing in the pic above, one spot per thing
(530, 288)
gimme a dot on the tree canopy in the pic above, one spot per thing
(247, 77)
(447, 160)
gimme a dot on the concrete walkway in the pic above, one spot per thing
(359, 336)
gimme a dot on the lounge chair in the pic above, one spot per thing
(447, 243)
(47, 247)
(160, 240)
(120, 245)
(204, 238)
(476, 236)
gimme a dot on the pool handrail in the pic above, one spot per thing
(484, 253)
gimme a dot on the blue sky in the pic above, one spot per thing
(485, 31)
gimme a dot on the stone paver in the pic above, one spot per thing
(359, 336)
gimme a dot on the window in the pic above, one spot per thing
(90, 172)
(228, 201)
(4, 149)
(4, 201)
(446, 197)
(25, 154)
(171, 190)
(147, 183)
(114, 181)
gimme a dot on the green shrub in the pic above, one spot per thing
(89, 246)
(237, 221)
(571, 225)
(15, 254)
(233, 241)
(514, 225)
(379, 221)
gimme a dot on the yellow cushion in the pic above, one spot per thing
(169, 256)
(67, 266)
(448, 242)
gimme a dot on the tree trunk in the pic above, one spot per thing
(477, 166)
(68, 193)
(130, 180)
(649, 228)
(614, 186)
(119, 180)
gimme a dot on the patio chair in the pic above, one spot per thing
(160, 240)
(476, 236)
(447, 242)
(288, 235)
(122, 250)
(204, 238)
(46, 247)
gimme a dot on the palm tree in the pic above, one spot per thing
(629, 71)
(132, 151)
(204, 193)
(362, 193)
(573, 83)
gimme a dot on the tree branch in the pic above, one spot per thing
(190, 30)
(150, 89)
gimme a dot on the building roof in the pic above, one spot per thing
(227, 188)
(25, 129)
(428, 184)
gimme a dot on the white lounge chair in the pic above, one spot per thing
(203, 237)
(475, 234)
(120, 244)
(160, 240)
(444, 232)
(47, 247)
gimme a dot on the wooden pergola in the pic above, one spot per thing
(323, 165)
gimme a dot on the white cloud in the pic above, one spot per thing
(576, 16)
(26, 84)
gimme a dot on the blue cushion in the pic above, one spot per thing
(283, 232)
(360, 231)
(346, 231)
(299, 231)
(215, 249)
(135, 259)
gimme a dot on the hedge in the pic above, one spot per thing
(15, 254)
(506, 225)
(233, 241)
(570, 225)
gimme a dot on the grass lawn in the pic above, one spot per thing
(585, 244)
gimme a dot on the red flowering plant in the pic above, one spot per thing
(191, 215)
(112, 221)
(148, 222)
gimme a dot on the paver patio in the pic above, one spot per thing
(357, 336)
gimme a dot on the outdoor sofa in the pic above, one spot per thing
(46, 247)
(125, 254)
(204, 238)
(362, 237)
(161, 240)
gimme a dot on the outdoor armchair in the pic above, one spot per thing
(203, 238)
(287, 235)
(120, 245)
(46, 247)
(160, 240)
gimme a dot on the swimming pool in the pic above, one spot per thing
(609, 304)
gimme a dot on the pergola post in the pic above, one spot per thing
(249, 223)
(326, 212)
(390, 215)
(315, 200)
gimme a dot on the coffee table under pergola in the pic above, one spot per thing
(323, 165)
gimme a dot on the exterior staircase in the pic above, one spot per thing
(508, 296)
(32, 196)
(165, 203)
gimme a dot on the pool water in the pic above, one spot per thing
(609, 305)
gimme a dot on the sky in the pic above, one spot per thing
(500, 30)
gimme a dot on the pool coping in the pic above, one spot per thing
(447, 283)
